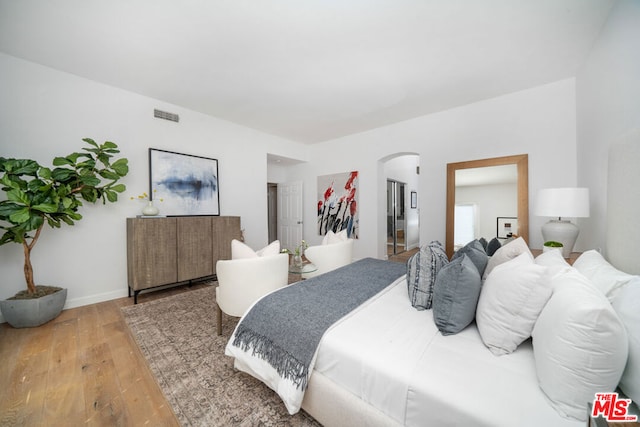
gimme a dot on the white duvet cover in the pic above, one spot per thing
(393, 357)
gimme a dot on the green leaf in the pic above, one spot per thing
(112, 196)
(87, 164)
(8, 236)
(20, 216)
(8, 208)
(89, 194)
(62, 161)
(104, 159)
(63, 175)
(73, 157)
(90, 142)
(63, 191)
(55, 222)
(66, 220)
(73, 215)
(46, 208)
(36, 186)
(108, 145)
(67, 202)
(119, 188)
(19, 166)
(16, 195)
(45, 173)
(121, 166)
(107, 174)
(12, 182)
(91, 181)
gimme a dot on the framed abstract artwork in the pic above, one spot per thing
(187, 184)
(338, 203)
(506, 227)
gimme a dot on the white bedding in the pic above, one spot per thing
(393, 357)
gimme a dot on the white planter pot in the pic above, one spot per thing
(551, 248)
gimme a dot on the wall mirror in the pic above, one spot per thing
(493, 199)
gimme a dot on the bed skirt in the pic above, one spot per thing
(332, 405)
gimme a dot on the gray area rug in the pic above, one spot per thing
(177, 336)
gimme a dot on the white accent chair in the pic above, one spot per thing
(241, 282)
(329, 257)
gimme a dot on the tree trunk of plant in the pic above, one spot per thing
(28, 269)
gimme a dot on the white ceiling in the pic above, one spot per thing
(308, 70)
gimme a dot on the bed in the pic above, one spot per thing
(386, 363)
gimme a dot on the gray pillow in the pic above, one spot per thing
(475, 251)
(455, 295)
(422, 269)
(493, 246)
(484, 243)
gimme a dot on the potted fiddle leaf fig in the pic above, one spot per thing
(550, 245)
(35, 195)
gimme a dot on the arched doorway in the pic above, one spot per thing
(398, 212)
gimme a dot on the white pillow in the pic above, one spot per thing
(579, 344)
(331, 237)
(505, 253)
(602, 274)
(552, 258)
(510, 301)
(239, 250)
(627, 306)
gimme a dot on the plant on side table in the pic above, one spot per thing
(35, 195)
(551, 244)
(297, 253)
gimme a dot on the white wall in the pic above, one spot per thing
(539, 122)
(608, 106)
(45, 113)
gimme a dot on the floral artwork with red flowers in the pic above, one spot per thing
(338, 203)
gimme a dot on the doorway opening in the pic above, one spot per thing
(272, 211)
(396, 219)
(398, 211)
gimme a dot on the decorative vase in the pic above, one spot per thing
(150, 210)
(297, 260)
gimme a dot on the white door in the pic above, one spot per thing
(290, 214)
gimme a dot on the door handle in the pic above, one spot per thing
(299, 222)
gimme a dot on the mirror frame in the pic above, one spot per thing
(522, 163)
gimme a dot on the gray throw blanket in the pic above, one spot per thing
(285, 327)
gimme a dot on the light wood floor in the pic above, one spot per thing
(82, 368)
(403, 256)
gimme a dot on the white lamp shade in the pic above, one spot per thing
(558, 203)
(563, 202)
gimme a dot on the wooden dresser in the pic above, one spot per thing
(173, 250)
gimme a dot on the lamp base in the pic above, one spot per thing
(562, 231)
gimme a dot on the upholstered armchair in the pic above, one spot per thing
(329, 257)
(241, 282)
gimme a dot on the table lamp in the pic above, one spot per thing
(567, 203)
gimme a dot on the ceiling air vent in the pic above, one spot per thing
(165, 115)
